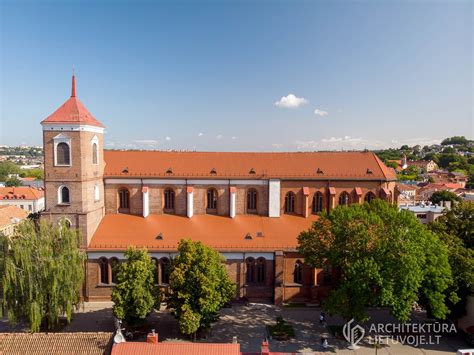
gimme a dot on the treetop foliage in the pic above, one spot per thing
(135, 295)
(385, 258)
(42, 272)
(200, 285)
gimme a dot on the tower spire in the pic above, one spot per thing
(73, 90)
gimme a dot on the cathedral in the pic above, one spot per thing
(250, 207)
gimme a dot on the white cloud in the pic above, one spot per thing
(200, 134)
(320, 113)
(147, 142)
(277, 145)
(234, 138)
(168, 138)
(290, 101)
(219, 136)
(339, 110)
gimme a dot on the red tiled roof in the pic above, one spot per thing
(8, 212)
(21, 192)
(72, 112)
(55, 343)
(294, 165)
(119, 231)
(175, 348)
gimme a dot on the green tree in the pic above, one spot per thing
(199, 285)
(7, 168)
(456, 229)
(455, 140)
(135, 294)
(444, 195)
(385, 257)
(13, 181)
(42, 272)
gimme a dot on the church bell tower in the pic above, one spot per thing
(73, 142)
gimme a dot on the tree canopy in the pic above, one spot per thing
(42, 272)
(200, 285)
(384, 257)
(444, 195)
(456, 230)
(135, 294)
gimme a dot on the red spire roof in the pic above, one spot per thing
(72, 111)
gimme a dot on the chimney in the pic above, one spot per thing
(265, 348)
(152, 337)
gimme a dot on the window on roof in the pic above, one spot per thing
(124, 200)
(95, 153)
(369, 196)
(344, 198)
(298, 272)
(211, 200)
(169, 200)
(63, 195)
(63, 154)
(251, 201)
(290, 202)
(318, 202)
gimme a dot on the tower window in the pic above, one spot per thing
(252, 201)
(290, 202)
(63, 195)
(344, 198)
(95, 153)
(317, 202)
(63, 154)
(124, 199)
(211, 200)
(169, 200)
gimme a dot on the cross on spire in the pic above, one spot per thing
(73, 90)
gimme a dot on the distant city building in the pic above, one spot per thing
(32, 182)
(10, 216)
(27, 198)
(425, 166)
(427, 213)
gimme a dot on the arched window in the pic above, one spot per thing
(63, 195)
(165, 270)
(63, 154)
(124, 199)
(343, 198)
(113, 262)
(252, 201)
(290, 202)
(261, 270)
(169, 200)
(318, 202)
(95, 153)
(298, 272)
(250, 270)
(104, 271)
(369, 196)
(211, 200)
(155, 274)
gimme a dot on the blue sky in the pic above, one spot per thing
(210, 75)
